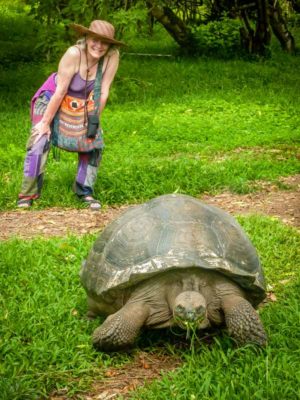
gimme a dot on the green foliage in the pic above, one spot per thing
(45, 338)
(53, 18)
(52, 41)
(218, 38)
(42, 27)
(56, 15)
(294, 20)
(130, 22)
(81, 12)
(18, 33)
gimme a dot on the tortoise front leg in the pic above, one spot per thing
(242, 321)
(120, 330)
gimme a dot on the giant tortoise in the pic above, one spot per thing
(173, 261)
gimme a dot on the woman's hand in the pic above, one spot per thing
(39, 130)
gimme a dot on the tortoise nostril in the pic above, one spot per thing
(190, 316)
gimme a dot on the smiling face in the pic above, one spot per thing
(96, 48)
(190, 310)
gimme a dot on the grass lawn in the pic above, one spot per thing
(45, 339)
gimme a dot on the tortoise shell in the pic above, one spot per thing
(171, 232)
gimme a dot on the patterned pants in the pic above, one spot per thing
(36, 158)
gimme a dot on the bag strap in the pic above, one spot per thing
(97, 88)
(97, 91)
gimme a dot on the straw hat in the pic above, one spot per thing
(102, 30)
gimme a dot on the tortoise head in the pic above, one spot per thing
(190, 310)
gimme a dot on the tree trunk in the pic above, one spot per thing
(246, 33)
(173, 24)
(279, 27)
(262, 37)
(256, 41)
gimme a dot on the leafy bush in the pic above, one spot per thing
(130, 21)
(220, 38)
(52, 41)
(294, 19)
(18, 32)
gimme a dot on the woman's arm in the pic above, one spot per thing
(108, 77)
(67, 67)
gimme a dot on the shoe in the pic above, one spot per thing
(93, 203)
(24, 203)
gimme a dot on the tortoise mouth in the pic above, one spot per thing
(191, 323)
(191, 326)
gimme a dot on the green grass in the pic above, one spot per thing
(188, 125)
(45, 338)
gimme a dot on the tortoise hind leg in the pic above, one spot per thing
(242, 321)
(119, 330)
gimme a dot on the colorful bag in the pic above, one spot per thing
(70, 124)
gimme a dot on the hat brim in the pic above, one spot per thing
(85, 31)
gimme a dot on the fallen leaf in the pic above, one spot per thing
(110, 373)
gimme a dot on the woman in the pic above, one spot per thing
(75, 77)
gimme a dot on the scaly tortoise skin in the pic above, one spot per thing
(173, 260)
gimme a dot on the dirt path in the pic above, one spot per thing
(118, 382)
(59, 221)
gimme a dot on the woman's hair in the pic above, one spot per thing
(81, 43)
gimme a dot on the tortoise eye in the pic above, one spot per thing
(179, 308)
(200, 310)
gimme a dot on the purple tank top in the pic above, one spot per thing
(77, 86)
